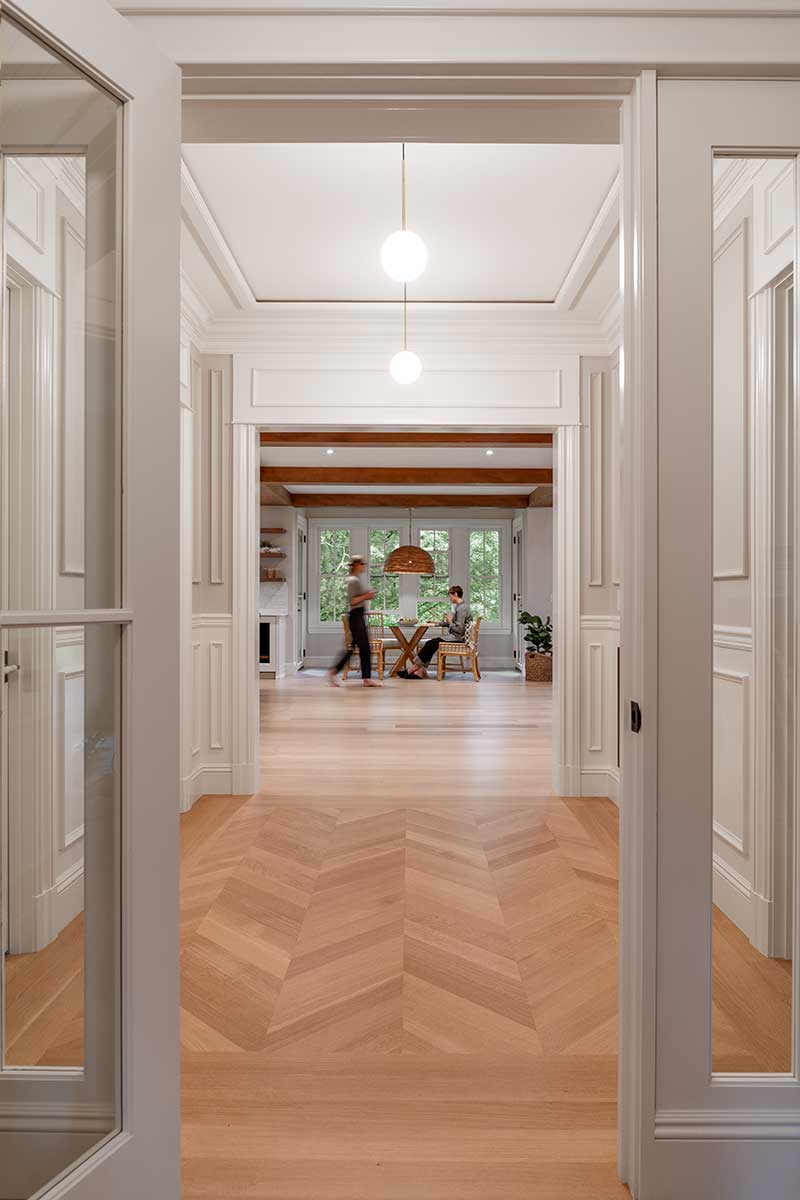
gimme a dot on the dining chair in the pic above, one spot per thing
(378, 642)
(466, 651)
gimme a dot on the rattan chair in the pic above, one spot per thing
(466, 651)
(378, 642)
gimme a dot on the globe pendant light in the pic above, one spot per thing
(409, 560)
(405, 366)
(404, 255)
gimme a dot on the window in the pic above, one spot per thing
(484, 574)
(334, 557)
(386, 587)
(433, 600)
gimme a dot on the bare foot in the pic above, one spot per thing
(370, 683)
(332, 680)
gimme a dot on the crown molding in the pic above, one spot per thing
(602, 232)
(458, 8)
(733, 185)
(70, 176)
(297, 332)
(202, 224)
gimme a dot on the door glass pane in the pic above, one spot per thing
(754, 660)
(60, 457)
(60, 700)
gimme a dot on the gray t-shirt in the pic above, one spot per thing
(356, 586)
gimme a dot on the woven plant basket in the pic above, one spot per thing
(538, 667)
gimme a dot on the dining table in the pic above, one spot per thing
(408, 645)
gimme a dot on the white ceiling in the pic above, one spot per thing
(501, 222)
(407, 456)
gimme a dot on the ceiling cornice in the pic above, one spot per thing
(459, 8)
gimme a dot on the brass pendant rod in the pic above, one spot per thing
(403, 188)
(405, 317)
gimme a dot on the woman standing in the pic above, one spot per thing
(358, 598)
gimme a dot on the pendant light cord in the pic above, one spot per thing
(403, 188)
(405, 318)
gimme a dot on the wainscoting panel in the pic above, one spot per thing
(358, 389)
(599, 706)
(733, 775)
(211, 709)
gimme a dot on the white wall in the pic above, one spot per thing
(600, 576)
(537, 594)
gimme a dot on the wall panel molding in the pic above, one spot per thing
(595, 401)
(731, 406)
(217, 509)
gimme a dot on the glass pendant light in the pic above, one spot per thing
(404, 255)
(405, 366)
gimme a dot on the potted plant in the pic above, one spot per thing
(539, 656)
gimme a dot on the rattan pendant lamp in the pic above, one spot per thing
(409, 560)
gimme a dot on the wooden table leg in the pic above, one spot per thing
(407, 646)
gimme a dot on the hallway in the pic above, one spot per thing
(399, 968)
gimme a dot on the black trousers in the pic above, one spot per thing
(429, 648)
(358, 632)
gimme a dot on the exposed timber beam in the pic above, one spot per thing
(274, 493)
(410, 476)
(397, 438)
(542, 497)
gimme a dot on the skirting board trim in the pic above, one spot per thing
(22, 1117)
(566, 780)
(600, 781)
(750, 1124)
(733, 894)
(206, 781)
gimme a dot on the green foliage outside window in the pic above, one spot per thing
(386, 587)
(484, 574)
(334, 560)
(433, 600)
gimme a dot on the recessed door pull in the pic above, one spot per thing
(636, 717)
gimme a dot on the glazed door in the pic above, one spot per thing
(89, 551)
(724, 1017)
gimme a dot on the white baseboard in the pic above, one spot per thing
(244, 779)
(600, 781)
(566, 780)
(317, 661)
(733, 895)
(206, 781)
(68, 900)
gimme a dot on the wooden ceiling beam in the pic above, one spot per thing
(542, 497)
(404, 500)
(275, 493)
(398, 438)
(411, 476)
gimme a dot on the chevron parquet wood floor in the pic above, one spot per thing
(399, 963)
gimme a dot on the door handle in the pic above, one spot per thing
(8, 667)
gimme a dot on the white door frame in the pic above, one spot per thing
(142, 1156)
(517, 575)
(566, 606)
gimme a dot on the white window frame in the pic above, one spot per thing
(382, 527)
(503, 528)
(315, 527)
(440, 527)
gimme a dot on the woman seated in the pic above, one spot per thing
(458, 622)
